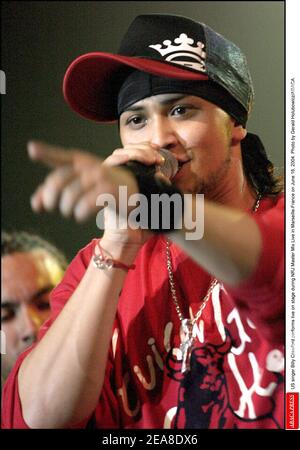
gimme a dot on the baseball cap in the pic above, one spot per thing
(163, 45)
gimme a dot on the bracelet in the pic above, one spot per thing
(103, 262)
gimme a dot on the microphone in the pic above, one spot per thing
(169, 167)
(149, 185)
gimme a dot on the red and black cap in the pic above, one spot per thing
(163, 45)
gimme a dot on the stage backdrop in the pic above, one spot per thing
(40, 39)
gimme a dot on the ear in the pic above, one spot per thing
(238, 133)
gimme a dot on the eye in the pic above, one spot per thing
(7, 314)
(179, 110)
(42, 303)
(43, 306)
(136, 121)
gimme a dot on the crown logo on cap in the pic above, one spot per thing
(183, 53)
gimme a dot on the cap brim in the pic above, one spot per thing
(92, 81)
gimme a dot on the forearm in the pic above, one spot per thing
(61, 379)
(230, 246)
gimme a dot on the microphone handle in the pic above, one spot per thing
(149, 185)
(139, 169)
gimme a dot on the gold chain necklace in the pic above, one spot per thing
(187, 327)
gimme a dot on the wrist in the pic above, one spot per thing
(124, 252)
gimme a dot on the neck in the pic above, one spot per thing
(244, 198)
(234, 189)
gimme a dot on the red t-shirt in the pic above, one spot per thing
(236, 376)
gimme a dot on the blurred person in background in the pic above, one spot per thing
(30, 268)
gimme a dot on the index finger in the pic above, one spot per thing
(48, 154)
(83, 160)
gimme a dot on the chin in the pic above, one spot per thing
(186, 187)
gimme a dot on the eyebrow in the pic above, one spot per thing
(10, 303)
(164, 102)
(42, 291)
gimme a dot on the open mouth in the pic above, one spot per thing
(181, 164)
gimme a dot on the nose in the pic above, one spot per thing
(29, 325)
(163, 134)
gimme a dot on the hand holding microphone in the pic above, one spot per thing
(145, 175)
(149, 185)
(169, 167)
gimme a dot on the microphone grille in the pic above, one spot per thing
(170, 166)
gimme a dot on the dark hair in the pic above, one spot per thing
(259, 170)
(21, 241)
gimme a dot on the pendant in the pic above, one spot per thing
(187, 335)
